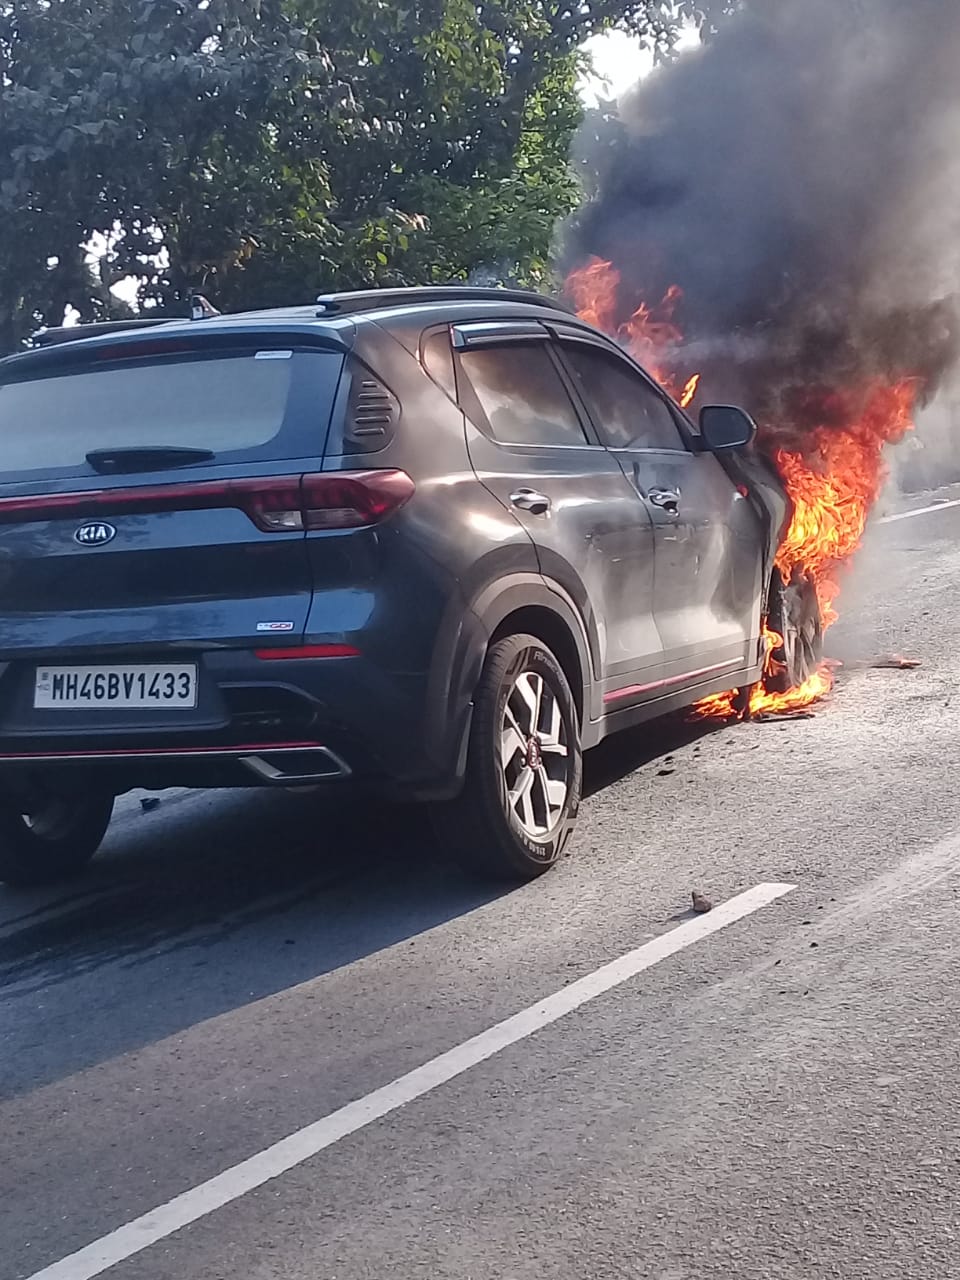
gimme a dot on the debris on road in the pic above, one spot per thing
(701, 903)
(886, 662)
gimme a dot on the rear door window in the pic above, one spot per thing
(241, 406)
(520, 392)
(627, 411)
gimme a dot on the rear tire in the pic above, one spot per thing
(52, 842)
(794, 613)
(519, 803)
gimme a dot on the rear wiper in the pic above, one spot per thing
(118, 462)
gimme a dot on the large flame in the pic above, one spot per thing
(838, 478)
(650, 334)
(833, 475)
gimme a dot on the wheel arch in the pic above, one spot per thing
(547, 625)
(518, 603)
(534, 605)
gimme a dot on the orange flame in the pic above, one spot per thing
(593, 291)
(650, 334)
(837, 480)
(833, 476)
(689, 391)
(758, 700)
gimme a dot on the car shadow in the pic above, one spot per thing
(206, 903)
(624, 753)
(209, 901)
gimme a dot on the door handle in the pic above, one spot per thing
(668, 499)
(538, 504)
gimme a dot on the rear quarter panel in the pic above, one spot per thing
(408, 585)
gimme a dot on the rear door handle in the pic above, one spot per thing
(668, 499)
(538, 504)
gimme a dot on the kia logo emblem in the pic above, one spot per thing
(95, 535)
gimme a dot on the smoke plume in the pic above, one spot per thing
(799, 178)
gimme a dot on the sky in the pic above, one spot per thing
(619, 61)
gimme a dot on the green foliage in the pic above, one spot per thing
(262, 150)
(174, 123)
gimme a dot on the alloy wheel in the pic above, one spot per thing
(534, 754)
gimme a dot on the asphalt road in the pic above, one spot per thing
(778, 1099)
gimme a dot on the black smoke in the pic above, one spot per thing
(799, 178)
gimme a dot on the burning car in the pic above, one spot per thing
(437, 542)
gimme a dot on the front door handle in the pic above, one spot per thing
(538, 504)
(668, 499)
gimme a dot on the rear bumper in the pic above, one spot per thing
(262, 764)
(290, 723)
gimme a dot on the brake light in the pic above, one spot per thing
(308, 651)
(275, 504)
(142, 349)
(352, 499)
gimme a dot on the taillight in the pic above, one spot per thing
(352, 499)
(272, 505)
(275, 504)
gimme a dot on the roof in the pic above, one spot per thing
(327, 306)
(332, 317)
(429, 295)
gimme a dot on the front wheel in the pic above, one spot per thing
(794, 613)
(50, 836)
(519, 803)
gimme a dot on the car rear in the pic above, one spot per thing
(160, 496)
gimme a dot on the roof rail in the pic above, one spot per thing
(330, 304)
(74, 332)
(202, 309)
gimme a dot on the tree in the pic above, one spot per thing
(262, 150)
(159, 126)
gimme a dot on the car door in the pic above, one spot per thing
(531, 448)
(708, 540)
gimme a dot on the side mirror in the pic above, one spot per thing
(724, 426)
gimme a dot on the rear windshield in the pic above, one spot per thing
(239, 406)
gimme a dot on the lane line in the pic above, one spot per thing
(919, 511)
(207, 1197)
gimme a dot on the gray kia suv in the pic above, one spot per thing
(433, 542)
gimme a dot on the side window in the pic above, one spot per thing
(628, 413)
(436, 355)
(519, 390)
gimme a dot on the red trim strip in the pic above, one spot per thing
(276, 504)
(633, 689)
(308, 651)
(203, 495)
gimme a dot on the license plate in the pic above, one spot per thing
(163, 685)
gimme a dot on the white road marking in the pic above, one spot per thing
(919, 511)
(293, 1150)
